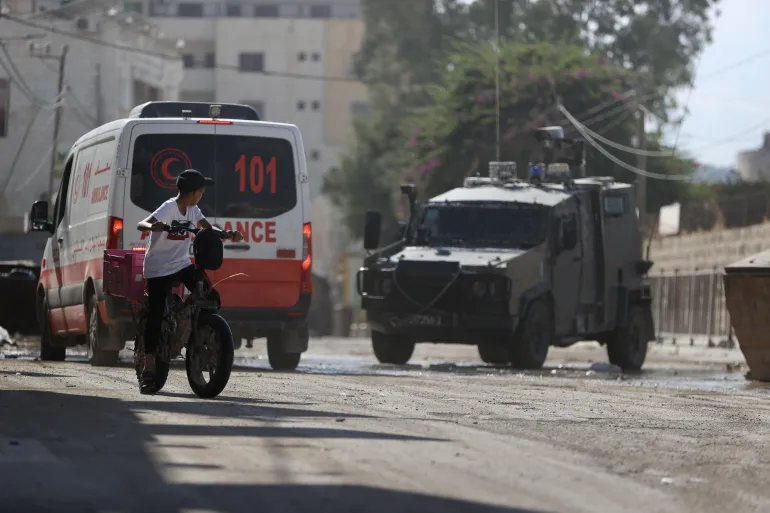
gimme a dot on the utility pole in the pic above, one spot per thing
(641, 144)
(99, 104)
(62, 58)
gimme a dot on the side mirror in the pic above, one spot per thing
(409, 190)
(38, 218)
(372, 228)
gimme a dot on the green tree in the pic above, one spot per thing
(657, 38)
(425, 125)
(456, 134)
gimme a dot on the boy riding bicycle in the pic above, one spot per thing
(167, 258)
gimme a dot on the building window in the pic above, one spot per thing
(188, 60)
(210, 60)
(316, 57)
(253, 62)
(133, 7)
(301, 56)
(256, 105)
(186, 10)
(266, 11)
(233, 10)
(360, 108)
(300, 105)
(320, 11)
(315, 155)
(316, 105)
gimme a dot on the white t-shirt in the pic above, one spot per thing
(166, 256)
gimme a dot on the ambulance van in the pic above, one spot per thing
(118, 174)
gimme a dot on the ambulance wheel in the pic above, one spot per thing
(51, 347)
(392, 349)
(279, 358)
(97, 335)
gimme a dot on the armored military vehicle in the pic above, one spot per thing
(514, 266)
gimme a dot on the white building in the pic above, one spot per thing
(102, 83)
(291, 60)
(754, 165)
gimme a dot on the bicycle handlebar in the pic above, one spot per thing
(181, 229)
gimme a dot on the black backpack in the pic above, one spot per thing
(208, 250)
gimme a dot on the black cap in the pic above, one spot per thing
(192, 180)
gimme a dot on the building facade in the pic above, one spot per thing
(101, 83)
(754, 165)
(292, 61)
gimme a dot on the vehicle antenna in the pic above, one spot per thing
(497, 74)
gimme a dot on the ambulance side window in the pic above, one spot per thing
(61, 198)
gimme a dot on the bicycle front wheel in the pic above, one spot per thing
(210, 355)
(161, 367)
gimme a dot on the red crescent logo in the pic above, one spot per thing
(162, 169)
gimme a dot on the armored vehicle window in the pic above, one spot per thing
(481, 224)
(614, 205)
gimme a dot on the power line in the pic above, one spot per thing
(616, 160)
(741, 62)
(669, 153)
(17, 78)
(153, 53)
(687, 100)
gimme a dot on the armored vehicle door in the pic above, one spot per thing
(565, 266)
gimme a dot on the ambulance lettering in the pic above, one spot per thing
(100, 194)
(255, 231)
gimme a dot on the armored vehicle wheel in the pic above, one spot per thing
(392, 349)
(628, 346)
(533, 337)
(494, 353)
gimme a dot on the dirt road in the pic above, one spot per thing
(346, 435)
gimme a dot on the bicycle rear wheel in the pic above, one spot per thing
(210, 354)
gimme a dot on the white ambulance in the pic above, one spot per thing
(119, 173)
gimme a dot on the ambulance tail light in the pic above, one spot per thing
(115, 234)
(306, 283)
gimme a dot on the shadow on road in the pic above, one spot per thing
(63, 452)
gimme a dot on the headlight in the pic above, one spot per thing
(479, 288)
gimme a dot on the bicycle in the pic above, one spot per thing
(192, 323)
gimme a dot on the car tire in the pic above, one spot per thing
(392, 349)
(534, 337)
(628, 346)
(279, 358)
(96, 334)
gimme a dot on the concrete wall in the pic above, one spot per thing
(706, 250)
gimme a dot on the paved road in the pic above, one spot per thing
(343, 434)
